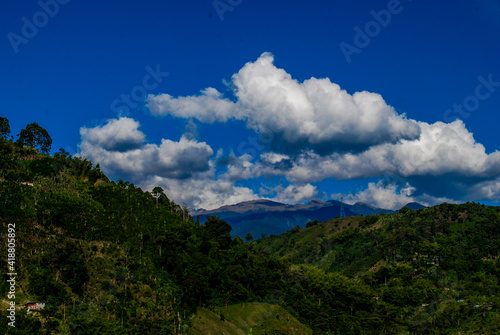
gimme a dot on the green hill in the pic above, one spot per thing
(106, 258)
(245, 318)
(434, 270)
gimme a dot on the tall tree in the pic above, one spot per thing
(34, 136)
(4, 127)
(161, 198)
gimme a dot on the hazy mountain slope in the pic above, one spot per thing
(415, 205)
(270, 217)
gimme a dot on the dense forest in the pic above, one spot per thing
(107, 257)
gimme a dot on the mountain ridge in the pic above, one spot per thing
(264, 216)
(271, 205)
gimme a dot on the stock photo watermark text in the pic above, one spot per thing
(151, 80)
(484, 90)
(222, 6)
(30, 27)
(372, 29)
(11, 273)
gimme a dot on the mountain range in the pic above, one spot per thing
(271, 217)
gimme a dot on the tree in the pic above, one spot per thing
(4, 127)
(312, 223)
(217, 227)
(218, 231)
(157, 189)
(64, 154)
(160, 197)
(404, 210)
(249, 237)
(34, 136)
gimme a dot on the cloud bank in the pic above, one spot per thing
(118, 147)
(184, 168)
(314, 131)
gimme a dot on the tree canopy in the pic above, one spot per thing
(4, 127)
(35, 136)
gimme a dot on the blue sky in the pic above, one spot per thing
(224, 101)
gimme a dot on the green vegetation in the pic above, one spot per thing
(105, 260)
(430, 271)
(4, 127)
(108, 258)
(247, 318)
(34, 136)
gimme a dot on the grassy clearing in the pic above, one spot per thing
(248, 318)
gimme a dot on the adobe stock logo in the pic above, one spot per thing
(483, 91)
(30, 28)
(138, 94)
(372, 29)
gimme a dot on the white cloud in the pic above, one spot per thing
(170, 159)
(273, 158)
(205, 193)
(184, 168)
(446, 161)
(315, 114)
(295, 193)
(489, 189)
(441, 149)
(208, 107)
(238, 168)
(314, 131)
(390, 196)
(117, 135)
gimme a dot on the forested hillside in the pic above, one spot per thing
(107, 258)
(431, 270)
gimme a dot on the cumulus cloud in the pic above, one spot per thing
(184, 168)
(310, 131)
(207, 107)
(238, 168)
(489, 189)
(117, 135)
(444, 161)
(202, 192)
(315, 114)
(170, 159)
(293, 193)
(389, 195)
(443, 148)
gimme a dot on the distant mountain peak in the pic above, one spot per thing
(258, 205)
(359, 203)
(414, 205)
(266, 202)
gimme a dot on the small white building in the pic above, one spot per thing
(34, 305)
